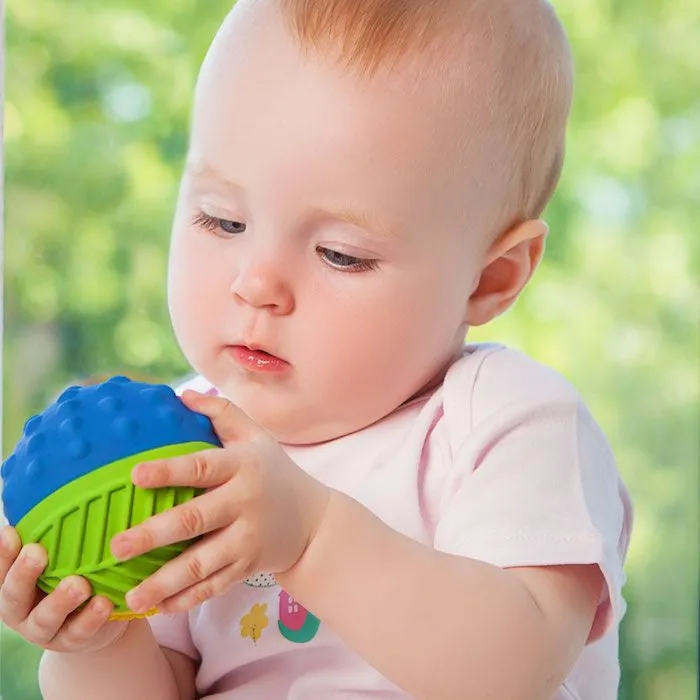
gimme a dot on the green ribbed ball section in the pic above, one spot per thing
(76, 523)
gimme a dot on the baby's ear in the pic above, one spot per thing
(509, 265)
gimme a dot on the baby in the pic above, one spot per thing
(394, 513)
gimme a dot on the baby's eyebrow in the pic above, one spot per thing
(204, 171)
(361, 219)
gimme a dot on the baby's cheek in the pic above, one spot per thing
(188, 316)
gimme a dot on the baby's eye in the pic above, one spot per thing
(232, 226)
(216, 225)
(346, 263)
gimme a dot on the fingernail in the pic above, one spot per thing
(140, 474)
(99, 605)
(5, 539)
(135, 602)
(121, 548)
(69, 587)
(33, 559)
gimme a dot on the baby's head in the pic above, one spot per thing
(363, 184)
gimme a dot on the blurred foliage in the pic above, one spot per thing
(98, 100)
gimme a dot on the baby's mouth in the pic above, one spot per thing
(256, 359)
(260, 350)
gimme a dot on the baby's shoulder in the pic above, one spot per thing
(492, 376)
(491, 380)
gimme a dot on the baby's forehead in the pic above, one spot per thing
(500, 68)
(508, 57)
(429, 64)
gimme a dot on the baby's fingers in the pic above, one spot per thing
(19, 593)
(10, 545)
(89, 628)
(46, 619)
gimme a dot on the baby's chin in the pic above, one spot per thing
(298, 428)
(294, 425)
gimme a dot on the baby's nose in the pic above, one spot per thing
(263, 286)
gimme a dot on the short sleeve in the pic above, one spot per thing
(533, 481)
(173, 632)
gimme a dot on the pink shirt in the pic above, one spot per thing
(502, 463)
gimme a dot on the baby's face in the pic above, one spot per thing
(318, 222)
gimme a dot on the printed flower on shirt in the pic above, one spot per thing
(254, 622)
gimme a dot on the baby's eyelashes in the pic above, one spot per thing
(217, 225)
(345, 262)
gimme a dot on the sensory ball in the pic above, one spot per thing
(67, 484)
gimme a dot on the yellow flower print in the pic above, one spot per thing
(254, 622)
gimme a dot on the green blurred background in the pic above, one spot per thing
(97, 105)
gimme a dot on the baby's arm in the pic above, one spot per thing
(443, 626)
(134, 666)
(531, 483)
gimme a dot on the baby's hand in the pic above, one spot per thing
(258, 515)
(50, 621)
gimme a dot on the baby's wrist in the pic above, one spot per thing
(318, 502)
(320, 520)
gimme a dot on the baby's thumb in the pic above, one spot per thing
(230, 422)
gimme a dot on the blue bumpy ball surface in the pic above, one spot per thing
(90, 427)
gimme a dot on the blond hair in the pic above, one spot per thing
(519, 48)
